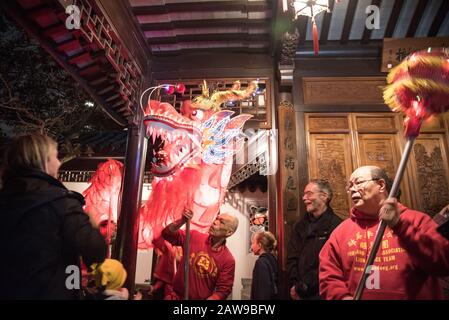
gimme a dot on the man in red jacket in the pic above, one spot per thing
(211, 264)
(411, 257)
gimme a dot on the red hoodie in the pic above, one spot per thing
(411, 257)
(210, 271)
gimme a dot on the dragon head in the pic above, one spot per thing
(200, 132)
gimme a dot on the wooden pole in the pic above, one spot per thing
(186, 261)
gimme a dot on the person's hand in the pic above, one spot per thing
(389, 212)
(293, 294)
(187, 215)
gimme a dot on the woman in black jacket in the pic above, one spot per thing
(264, 284)
(43, 228)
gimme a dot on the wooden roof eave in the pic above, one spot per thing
(14, 11)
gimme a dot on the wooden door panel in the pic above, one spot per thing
(432, 172)
(330, 159)
(382, 150)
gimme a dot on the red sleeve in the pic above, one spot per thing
(176, 238)
(333, 285)
(428, 249)
(225, 281)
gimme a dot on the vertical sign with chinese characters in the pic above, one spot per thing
(288, 166)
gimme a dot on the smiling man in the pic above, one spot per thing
(307, 239)
(211, 264)
(411, 256)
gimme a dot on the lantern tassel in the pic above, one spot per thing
(316, 45)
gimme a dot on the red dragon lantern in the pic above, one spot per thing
(193, 168)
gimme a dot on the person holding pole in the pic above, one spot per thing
(412, 253)
(211, 266)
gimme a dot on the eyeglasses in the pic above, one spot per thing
(308, 194)
(358, 184)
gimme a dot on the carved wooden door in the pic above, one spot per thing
(339, 143)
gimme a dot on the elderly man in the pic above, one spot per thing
(211, 264)
(307, 239)
(412, 253)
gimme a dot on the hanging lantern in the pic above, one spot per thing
(311, 8)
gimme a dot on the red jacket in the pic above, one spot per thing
(411, 257)
(210, 271)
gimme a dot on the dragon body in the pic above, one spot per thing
(193, 168)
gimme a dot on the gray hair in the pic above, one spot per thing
(324, 187)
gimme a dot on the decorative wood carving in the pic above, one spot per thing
(330, 159)
(288, 167)
(288, 50)
(376, 124)
(288, 161)
(343, 90)
(328, 124)
(382, 150)
(378, 150)
(432, 171)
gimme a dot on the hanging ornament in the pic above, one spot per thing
(169, 89)
(180, 88)
(311, 8)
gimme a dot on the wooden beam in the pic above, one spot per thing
(349, 18)
(326, 23)
(367, 32)
(211, 50)
(439, 18)
(417, 15)
(243, 6)
(204, 24)
(394, 17)
(210, 37)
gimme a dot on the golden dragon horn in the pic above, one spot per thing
(220, 97)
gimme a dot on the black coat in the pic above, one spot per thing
(307, 238)
(43, 230)
(264, 285)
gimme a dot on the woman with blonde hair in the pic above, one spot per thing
(264, 284)
(43, 229)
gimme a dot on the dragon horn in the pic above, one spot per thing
(220, 97)
(205, 89)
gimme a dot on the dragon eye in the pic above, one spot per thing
(198, 114)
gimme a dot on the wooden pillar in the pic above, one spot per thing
(287, 175)
(125, 247)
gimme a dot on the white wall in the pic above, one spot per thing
(239, 243)
(144, 257)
